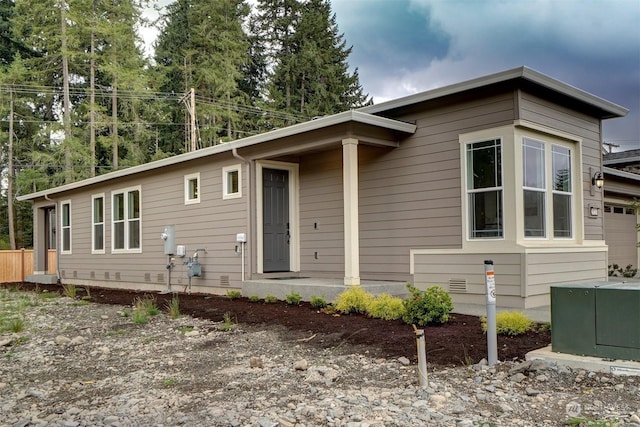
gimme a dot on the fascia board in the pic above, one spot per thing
(521, 72)
(322, 122)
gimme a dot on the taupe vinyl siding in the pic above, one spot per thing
(548, 269)
(321, 203)
(211, 224)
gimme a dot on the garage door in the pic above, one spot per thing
(621, 235)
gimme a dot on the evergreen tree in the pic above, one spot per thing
(310, 74)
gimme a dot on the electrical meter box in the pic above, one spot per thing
(168, 236)
(596, 319)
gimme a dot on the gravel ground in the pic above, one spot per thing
(85, 364)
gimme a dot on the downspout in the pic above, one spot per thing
(234, 151)
(46, 197)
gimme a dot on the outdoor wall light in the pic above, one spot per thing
(594, 211)
(598, 179)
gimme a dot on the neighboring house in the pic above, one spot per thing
(420, 189)
(622, 187)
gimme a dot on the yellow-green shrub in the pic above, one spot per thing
(387, 307)
(510, 323)
(427, 307)
(353, 300)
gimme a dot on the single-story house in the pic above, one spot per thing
(622, 191)
(420, 189)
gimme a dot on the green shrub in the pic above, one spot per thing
(510, 323)
(234, 294)
(293, 298)
(353, 300)
(387, 307)
(69, 290)
(270, 299)
(318, 302)
(174, 307)
(254, 298)
(146, 305)
(427, 307)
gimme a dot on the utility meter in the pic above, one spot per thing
(168, 236)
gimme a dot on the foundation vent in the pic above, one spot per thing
(224, 280)
(106, 275)
(147, 277)
(117, 275)
(92, 275)
(160, 278)
(458, 285)
(75, 274)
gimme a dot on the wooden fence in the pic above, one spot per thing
(15, 266)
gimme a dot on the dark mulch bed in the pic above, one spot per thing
(460, 341)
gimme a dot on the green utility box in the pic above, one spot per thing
(596, 319)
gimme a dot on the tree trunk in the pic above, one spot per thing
(114, 125)
(92, 100)
(10, 207)
(66, 101)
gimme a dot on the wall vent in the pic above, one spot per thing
(117, 275)
(160, 278)
(224, 280)
(92, 275)
(75, 274)
(458, 285)
(106, 275)
(147, 277)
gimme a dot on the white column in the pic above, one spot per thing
(351, 221)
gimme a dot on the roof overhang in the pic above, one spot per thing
(621, 174)
(608, 109)
(346, 117)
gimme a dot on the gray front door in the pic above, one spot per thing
(275, 190)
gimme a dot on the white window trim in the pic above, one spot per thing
(93, 224)
(467, 191)
(512, 181)
(62, 228)
(544, 189)
(126, 250)
(225, 177)
(550, 139)
(187, 179)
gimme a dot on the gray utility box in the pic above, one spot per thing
(596, 319)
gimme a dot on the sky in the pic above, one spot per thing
(402, 47)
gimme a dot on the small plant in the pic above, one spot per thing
(510, 323)
(254, 298)
(15, 325)
(87, 294)
(386, 307)
(174, 307)
(270, 299)
(629, 271)
(427, 307)
(168, 382)
(234, 294)
(125, 313)
(318, 302)
(48, 295)
(140, 317)
(353, 300)
(226, 325)
(293, 298)
(69, 290)
(146, 305)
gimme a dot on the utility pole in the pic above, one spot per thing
(191, 110)
(610, 146)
